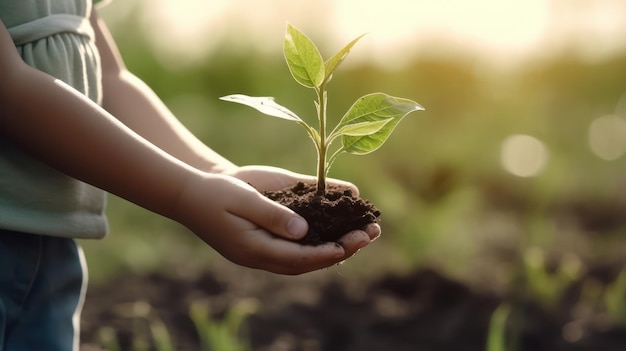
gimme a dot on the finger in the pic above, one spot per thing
(354, 241)
(319, 257)
(344, 184)
(373, 231)
(285, 257)
(270, 215)
(266, 178)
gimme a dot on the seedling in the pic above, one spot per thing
(362, 129)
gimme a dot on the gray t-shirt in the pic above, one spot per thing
(54, 37)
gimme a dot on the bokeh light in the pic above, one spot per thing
(607, 137)
(523, 155)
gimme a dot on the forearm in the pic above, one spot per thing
(131, 101)
(62, 128)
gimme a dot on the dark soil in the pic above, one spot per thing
(422, 311)
(330, 216)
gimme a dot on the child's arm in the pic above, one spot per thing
(132, 102)
(64, 129)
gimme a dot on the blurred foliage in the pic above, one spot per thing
(445, 198)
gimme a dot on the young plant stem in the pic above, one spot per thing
(321, 147)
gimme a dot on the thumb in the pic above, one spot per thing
(273, 217)
(296, 226)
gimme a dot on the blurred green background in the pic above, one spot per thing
(517, 158)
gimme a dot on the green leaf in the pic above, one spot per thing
(268, 106)
(264, 104)
(377, 109)
(331, 64)
(303, 58)
(361, 128)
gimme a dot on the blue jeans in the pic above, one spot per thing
(42, 288)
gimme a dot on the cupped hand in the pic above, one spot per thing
(249, 229)
(267, 178)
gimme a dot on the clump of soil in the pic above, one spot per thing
(330, 216)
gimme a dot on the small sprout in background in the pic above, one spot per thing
(223, 334)
(496, 337)
(362, 129)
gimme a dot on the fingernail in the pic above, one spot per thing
(297, 227)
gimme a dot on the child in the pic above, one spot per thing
(75, 123)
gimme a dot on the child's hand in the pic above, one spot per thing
(265, 178)
(249, 229)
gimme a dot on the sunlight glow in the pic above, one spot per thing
(523, 155)
(497, 27)
(503, 31)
